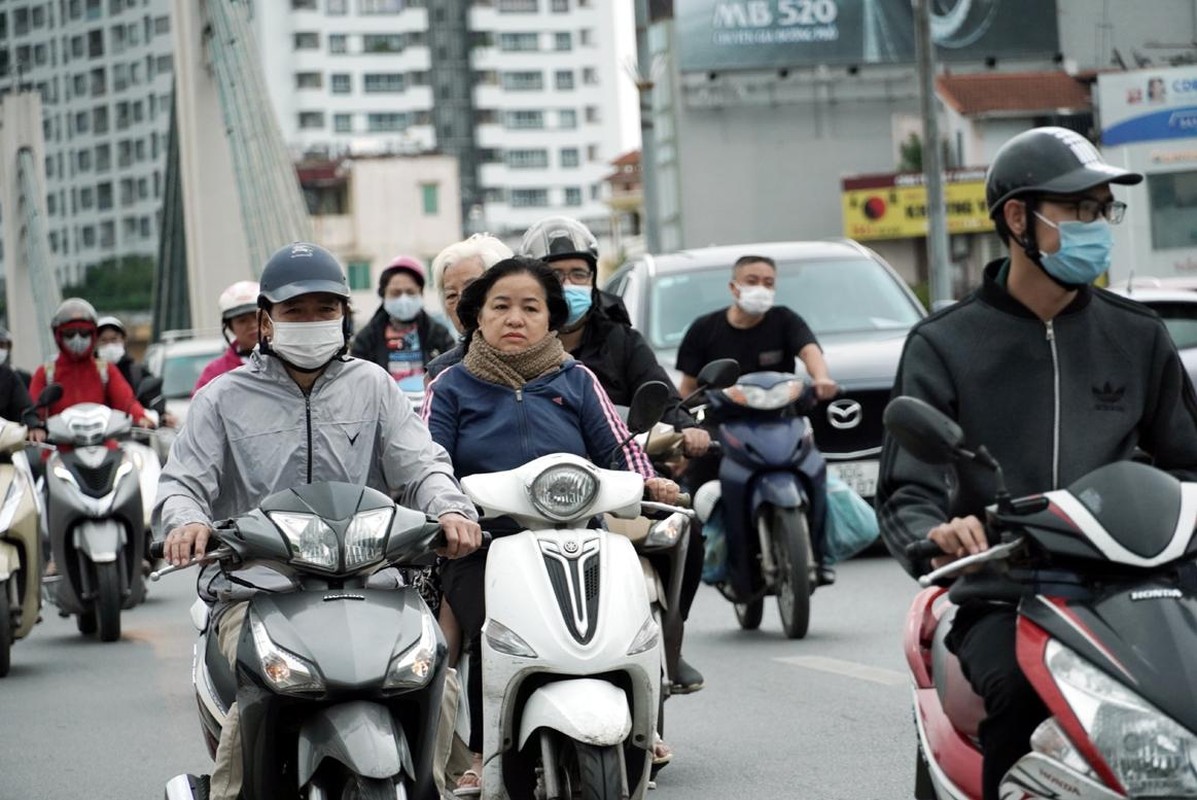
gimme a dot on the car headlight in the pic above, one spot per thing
(412, 668)
(665, 533)
(311, 540)
(1151, 755)
(564, 492)
(646, 638)
(771, 399)
(284, 670)
(365, 537)
(505, 640)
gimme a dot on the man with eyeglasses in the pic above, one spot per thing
(83, 378)
(1054, 377)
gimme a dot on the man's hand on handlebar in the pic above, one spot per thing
(825, 388)
(695, 442)
(36, 435)
(462, 535)
(186, 541)
(960, 537)
(662, 490)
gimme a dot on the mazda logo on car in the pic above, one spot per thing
(844, 414)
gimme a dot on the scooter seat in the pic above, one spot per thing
(960, 703)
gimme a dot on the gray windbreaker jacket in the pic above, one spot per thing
(252, 432)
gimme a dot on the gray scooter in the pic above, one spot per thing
(341, 666)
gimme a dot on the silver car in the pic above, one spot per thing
(857, 306)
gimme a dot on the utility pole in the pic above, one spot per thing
(648, 164)
(937, 223)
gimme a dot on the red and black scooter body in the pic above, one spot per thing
(1107, 635)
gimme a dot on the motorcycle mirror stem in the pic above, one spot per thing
(983, 457)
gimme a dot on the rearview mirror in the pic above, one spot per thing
(719, 374)
(648, 406)
(923, 431)
(50, 395)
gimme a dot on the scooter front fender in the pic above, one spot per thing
(100, 539)
(10, 560)
(585, 709)
(778, 489)
(361, 735)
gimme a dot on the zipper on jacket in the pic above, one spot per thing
(307, 405)
(524, 439)
(1051, 339)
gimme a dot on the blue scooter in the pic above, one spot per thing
(772, 486)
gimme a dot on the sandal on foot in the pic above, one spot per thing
(472, 790)
(662, 753)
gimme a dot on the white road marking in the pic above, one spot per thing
(850, 669)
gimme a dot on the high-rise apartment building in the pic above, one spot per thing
(104, 69)
(531, 96)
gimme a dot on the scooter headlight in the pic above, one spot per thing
(646, 638)
(1151, 755)
(412, 669)
(365, 537)
(311, 540)
(666, 533)
(506, 641)
(564, 492)
(284, 670)
(777, 396)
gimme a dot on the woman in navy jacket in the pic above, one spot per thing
(516, 396)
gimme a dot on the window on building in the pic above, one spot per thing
(311, 120)
(519, 42)
(147, 228)
(309, 80)
(518, 6)
(104, 196)
(143, 189)
(103, 158)
(337, 8)
(165, 64)
(570, 157)
(95, 43)
(87, 197)
(341, 83)
(38, 17)
(1173, 198)
(586, 37)
(162, 25)
(563, 40)
(573, 196)
(590, 76)
(593, 114)
(430, 198)
(524, 120)
(303, 5)
(83, 160)
(343, 123)
(40, 54)
(338, 43)
(596, 191)
(383, 82)
(359, 275)
(20, 21)
(99, 82)
(526, 81)
(88, 235)
(107, 234)
(592, 153)
(139, 150)
(366, 7)
(99, 119)
(559, 6)
(306, 40)
(537, 158)
(563, 79)
(529, 198)
(382, 43)
(386, 122)
(567, 119)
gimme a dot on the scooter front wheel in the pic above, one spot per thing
(5, 631)
(359, 787)
(599, 775)
(790, 536)
(108, 601)
(749, 615)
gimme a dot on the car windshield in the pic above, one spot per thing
(180, 372)
(1181, 321)
(834, 296)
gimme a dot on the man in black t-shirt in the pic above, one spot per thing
(753, 331)
(761, 337)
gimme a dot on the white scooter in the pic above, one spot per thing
(571, 653)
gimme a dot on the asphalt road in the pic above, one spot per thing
(826, 718)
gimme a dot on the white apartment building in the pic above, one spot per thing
(531, 96)
(104, 69)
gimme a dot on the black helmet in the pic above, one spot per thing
(301, 268)
(554, 238)
(1048, 161)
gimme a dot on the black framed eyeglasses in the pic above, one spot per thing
(577, 277)
(1088, 209)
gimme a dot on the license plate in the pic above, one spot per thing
(860, 475)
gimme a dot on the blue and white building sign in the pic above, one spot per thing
(1148, 105)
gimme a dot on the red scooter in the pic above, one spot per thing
(1107, 630)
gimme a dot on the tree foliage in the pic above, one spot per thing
(124, 284)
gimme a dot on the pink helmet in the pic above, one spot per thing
(240, 298)
(412, 266)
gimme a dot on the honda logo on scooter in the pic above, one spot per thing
(844, 414)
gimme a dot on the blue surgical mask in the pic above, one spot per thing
(405, 307)
(1084, 253)
(579, 299)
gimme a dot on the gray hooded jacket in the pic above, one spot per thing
(252, 432)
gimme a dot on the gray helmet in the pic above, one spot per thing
(73, 309)
(111, 322)
(1048, 161)
(554, 238)
(301, 268)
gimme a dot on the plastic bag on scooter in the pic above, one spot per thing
(851, 522)
(714, 560)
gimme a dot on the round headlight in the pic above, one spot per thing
(564, 493)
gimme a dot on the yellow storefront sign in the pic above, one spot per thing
(894, 206)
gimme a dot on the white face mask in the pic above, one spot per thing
(754, 300)
(3, 356)
(308, 345)
(405, 307)
(111, 352)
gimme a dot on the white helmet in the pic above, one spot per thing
(240, 298)
(705, 499)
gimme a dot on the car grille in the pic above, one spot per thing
(865, 435)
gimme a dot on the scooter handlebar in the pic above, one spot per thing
(158, 549)
(923, 548)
